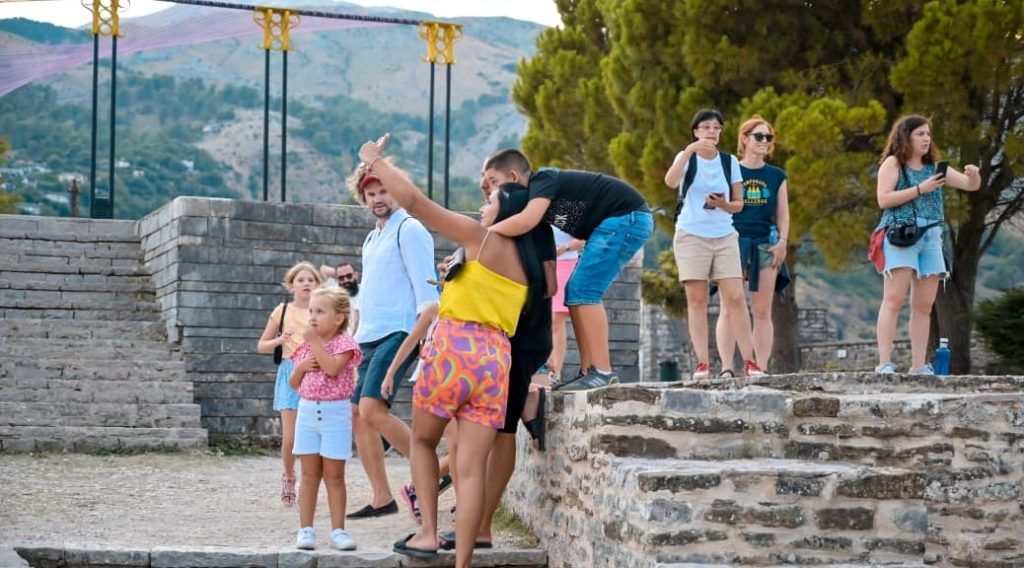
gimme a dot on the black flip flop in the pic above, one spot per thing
(448, 542)
(402, 547)
(536, 426)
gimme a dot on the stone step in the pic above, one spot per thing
(144, 349)
(69, 556)
(45, 263)
(39, 368)
(131, 285)
(127, 300)
(94, 438)
(87, 267)
(106, 414)
(79, 310)
(83, 329)
(897, 429)
(32, 247)
(67, 229)
(868, 383)
(758, 512)
(94, 391)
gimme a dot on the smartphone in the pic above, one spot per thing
(716, 194)
(941, 167)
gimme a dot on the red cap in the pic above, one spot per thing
(367, 178)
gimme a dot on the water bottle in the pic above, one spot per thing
(942, 356)
(773, 235)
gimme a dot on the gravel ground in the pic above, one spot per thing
(179, 499)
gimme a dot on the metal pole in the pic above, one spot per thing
(430, 138)
(447, 131)
(284, 122)
(113, 119)
(266, 127)
(95, 88)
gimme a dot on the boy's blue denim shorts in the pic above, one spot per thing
(608, 250)
(924, 257)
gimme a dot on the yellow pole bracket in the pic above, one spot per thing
(105, 18)
(440, 38)
(276, 24)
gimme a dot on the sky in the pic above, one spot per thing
(70, 13)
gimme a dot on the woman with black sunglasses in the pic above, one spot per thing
(763, 227)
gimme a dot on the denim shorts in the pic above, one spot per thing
(324, 427)
(285, 397)
(608, 250)
(924, 257)
(377, 357)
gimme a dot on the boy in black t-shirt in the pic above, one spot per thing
(607, 213)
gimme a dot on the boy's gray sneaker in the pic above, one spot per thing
(592, 380)
(925, 370)
(564, 385)
(886, 369)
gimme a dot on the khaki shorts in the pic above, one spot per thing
(699, 258)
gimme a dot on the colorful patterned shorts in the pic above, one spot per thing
(465, 373)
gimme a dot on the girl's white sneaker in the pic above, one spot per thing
(341, 540)
(306, 540)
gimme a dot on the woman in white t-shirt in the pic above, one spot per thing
(706, 245)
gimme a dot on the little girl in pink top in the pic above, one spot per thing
(324, 375)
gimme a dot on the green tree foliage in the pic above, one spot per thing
(1001, 324)
(8, 201)
(662, 288)
(832, 76)
(561, 92)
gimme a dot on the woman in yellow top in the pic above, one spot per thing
(300, 281)
(466, 362)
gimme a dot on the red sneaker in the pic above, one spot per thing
(702, 372)
(752, 369)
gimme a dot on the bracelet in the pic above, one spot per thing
(918, 186)
(369, 166)
(783, 239)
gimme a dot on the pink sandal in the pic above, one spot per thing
(288, 490)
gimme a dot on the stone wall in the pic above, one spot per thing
(217, 265)
(795, 469)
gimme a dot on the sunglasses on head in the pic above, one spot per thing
(760, 137)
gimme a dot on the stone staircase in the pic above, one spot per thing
(798, 469)
(84, 361)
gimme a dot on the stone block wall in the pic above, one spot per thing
(839, 468)
(217, 265)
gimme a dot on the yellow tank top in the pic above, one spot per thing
(478, 294)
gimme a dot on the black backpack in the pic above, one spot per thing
(691, 173)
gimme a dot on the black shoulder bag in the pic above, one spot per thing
(691, 174)
(279, 350)
(905, 232)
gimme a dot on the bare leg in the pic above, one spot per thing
(334, 479)
(396, 432)
(311, 474)
(761, 306)
(288, 441)
(426, 433)
(476, 441)
(371, 455)
(580, 332)
(894, 292)
(922, 298)
(593, 319)
(731, 290)
(559, 342)
(500, 465)
(724, 338)
(697, 316)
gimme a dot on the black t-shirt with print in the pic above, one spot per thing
(580, 201)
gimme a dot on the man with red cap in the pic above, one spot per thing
(398, 260)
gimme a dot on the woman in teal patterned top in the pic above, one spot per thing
(910, 189)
